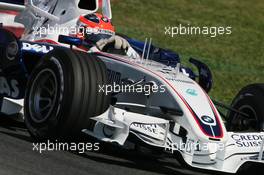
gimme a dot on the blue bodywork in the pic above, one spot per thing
(18, 2)
(164, 56)
(17, 60)
(170, 58)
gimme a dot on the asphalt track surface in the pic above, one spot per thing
(18, 158)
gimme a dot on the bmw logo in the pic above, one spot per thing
(207, 119)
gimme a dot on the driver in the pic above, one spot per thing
(97, 30)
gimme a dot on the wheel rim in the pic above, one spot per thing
(244, 123)
(42, 95)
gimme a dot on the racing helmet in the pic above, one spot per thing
(94, 27)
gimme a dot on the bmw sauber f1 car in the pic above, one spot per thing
(112, 93)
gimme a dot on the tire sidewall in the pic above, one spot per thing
(78, 75)
(251, 96)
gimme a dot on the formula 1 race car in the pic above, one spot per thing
(106, 93)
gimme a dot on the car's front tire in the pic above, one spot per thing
(250, 101)
(63, 94)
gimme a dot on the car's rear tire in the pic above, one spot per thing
(63, 94)
(250, 100)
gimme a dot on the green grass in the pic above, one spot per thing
(236, 60)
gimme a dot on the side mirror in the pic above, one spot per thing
(70, 40)
(205, 74)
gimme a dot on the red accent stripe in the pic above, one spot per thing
(182, 98)
(9, 12)
(17, 31)
(47, 41)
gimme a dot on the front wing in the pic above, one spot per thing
(217, 156)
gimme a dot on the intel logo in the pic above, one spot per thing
(207, 119)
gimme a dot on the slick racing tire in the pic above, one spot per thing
(63, 94)
(250, 101)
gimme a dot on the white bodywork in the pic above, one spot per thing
(8, 20)
(199, 134)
